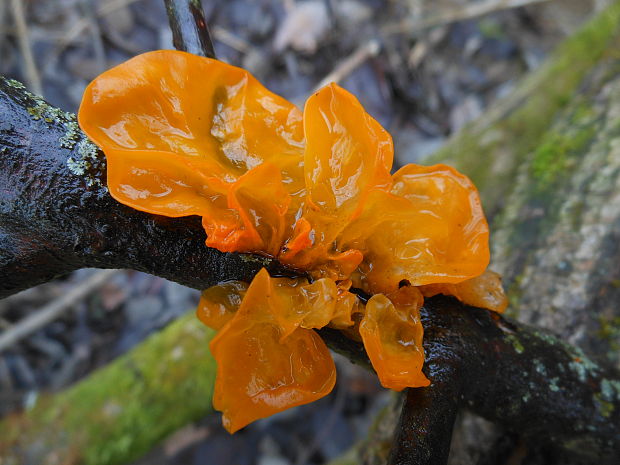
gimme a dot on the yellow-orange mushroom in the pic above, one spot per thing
(185, 135)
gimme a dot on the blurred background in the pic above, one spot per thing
(422, 68)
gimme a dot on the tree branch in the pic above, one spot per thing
(524, 379)
(424, 431)
(56, 214)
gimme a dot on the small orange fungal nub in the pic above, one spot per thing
(218, 304)
(484, 291)
(392, 334)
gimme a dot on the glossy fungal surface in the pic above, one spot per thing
(180, 136)
(392, 334)
(186, 135)
(267, 361)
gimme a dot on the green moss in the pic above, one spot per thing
(87, 162)
(72, 136)
(609, 332)
(583, 366)
(490, 28)
(493, 148)
(539, 367)
(553, 384)
(610, 390)
(557, 150)
(15, 84)
(514, 292)
(610, 329)
(41, 110)
(604, 407)
(515, 343)
(253, 258)
(537, 204)
(118, 413)
(351, 457)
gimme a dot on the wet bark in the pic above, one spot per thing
(56, 214)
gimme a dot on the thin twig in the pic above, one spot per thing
(32, 74)
(93, 24)
(346, 67)
(189, 27)
(424, 431)
(53, 310)
(230, 39)
(464, 12)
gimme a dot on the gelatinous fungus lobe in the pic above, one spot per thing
(347, 155)
(218, 304)
(430, 228)
(178, 144)
(261, 369)
(484, 291)
(392, 334)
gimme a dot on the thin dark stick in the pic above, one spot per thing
(189, 27)
(424, 431)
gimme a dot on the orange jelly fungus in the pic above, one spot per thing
(392, 334)
(265, 364)
(186, 135)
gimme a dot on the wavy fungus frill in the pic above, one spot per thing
(186, 135)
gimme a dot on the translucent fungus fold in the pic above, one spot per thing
(261, 368)
(392, 334)
(180, 132)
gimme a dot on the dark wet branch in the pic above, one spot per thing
(56, 216)
(521, 378)
(189, 27)
(424, 431)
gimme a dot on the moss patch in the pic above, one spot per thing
(119, 413)
(556, 153)
(492, 149)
